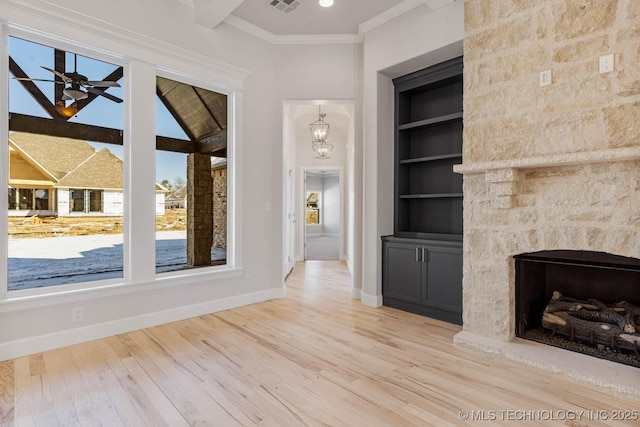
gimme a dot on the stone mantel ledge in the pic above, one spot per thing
(553, 160)
(503, 175)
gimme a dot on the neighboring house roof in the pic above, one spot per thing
(161, 188)
(103, 171)
(179, 194)
(72, 163)
(56, 156)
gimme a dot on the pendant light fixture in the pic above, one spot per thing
(322, 151)
(319, 133)
(319, 129)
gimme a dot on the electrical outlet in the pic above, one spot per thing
(545, 78)
(606, 63)
(77, 314)
(247, 274)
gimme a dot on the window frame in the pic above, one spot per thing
(202, 72)
(233, 255)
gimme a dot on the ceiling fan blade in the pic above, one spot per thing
(105, 94)
(66, 98)
(98, 83)
(59, 74)
(28, 79)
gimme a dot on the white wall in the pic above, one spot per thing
(62, 196)
(112, 203)
(412, 41)
(160, 203)
(331, 204)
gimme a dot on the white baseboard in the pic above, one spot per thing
(371, 300)
(356, 293)
(24, 347)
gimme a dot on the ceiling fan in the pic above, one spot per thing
(76, 83)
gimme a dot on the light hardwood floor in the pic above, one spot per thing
(316, 357)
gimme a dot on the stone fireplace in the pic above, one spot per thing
(583, 301)
(547, 168)
(575, 202)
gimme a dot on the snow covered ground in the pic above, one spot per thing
(72, 259)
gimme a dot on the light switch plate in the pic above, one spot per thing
(545, 78)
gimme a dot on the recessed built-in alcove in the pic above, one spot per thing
(582, 301)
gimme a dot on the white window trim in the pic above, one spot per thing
(107, 39)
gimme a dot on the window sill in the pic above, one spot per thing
(21, 300)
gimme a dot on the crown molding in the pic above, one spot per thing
(389, 15)
(259, 32)
(147, 46)
(368, 25)
(438, 4)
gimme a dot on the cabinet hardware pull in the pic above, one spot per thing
(423, 257)
(417, 255)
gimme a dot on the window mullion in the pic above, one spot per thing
(139, 140)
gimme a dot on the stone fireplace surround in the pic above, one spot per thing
(578, 201)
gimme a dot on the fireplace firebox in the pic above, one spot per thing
(589, 300)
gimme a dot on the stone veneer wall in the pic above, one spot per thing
(219, 175)
(199, 209)
(554, 167)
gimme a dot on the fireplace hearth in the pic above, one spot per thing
(581, 301)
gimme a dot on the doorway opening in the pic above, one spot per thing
(322, 228)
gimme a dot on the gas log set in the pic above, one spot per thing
(611, 327)
(583, 301)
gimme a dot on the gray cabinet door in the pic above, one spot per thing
(402, 271)
(443, 278)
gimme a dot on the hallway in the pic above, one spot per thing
(324, 247)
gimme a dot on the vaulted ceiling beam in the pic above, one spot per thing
(34, 90)
(213, 144)
(62, 129)
(59, 64)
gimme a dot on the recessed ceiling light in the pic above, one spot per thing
(326, 3)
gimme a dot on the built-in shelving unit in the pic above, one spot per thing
(428, 143)
(428, 195)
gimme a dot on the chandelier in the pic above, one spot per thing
(319, 133)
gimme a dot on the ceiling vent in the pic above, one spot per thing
(285, 5)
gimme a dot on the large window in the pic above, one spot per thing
(60, 169)
(191, 169)
(67, 208)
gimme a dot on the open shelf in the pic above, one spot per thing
(430, 196)
(437, 141)
(457, 156)
(431, 122)
(436, 215)
(432, 100)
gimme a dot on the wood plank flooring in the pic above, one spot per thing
(316, 357)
